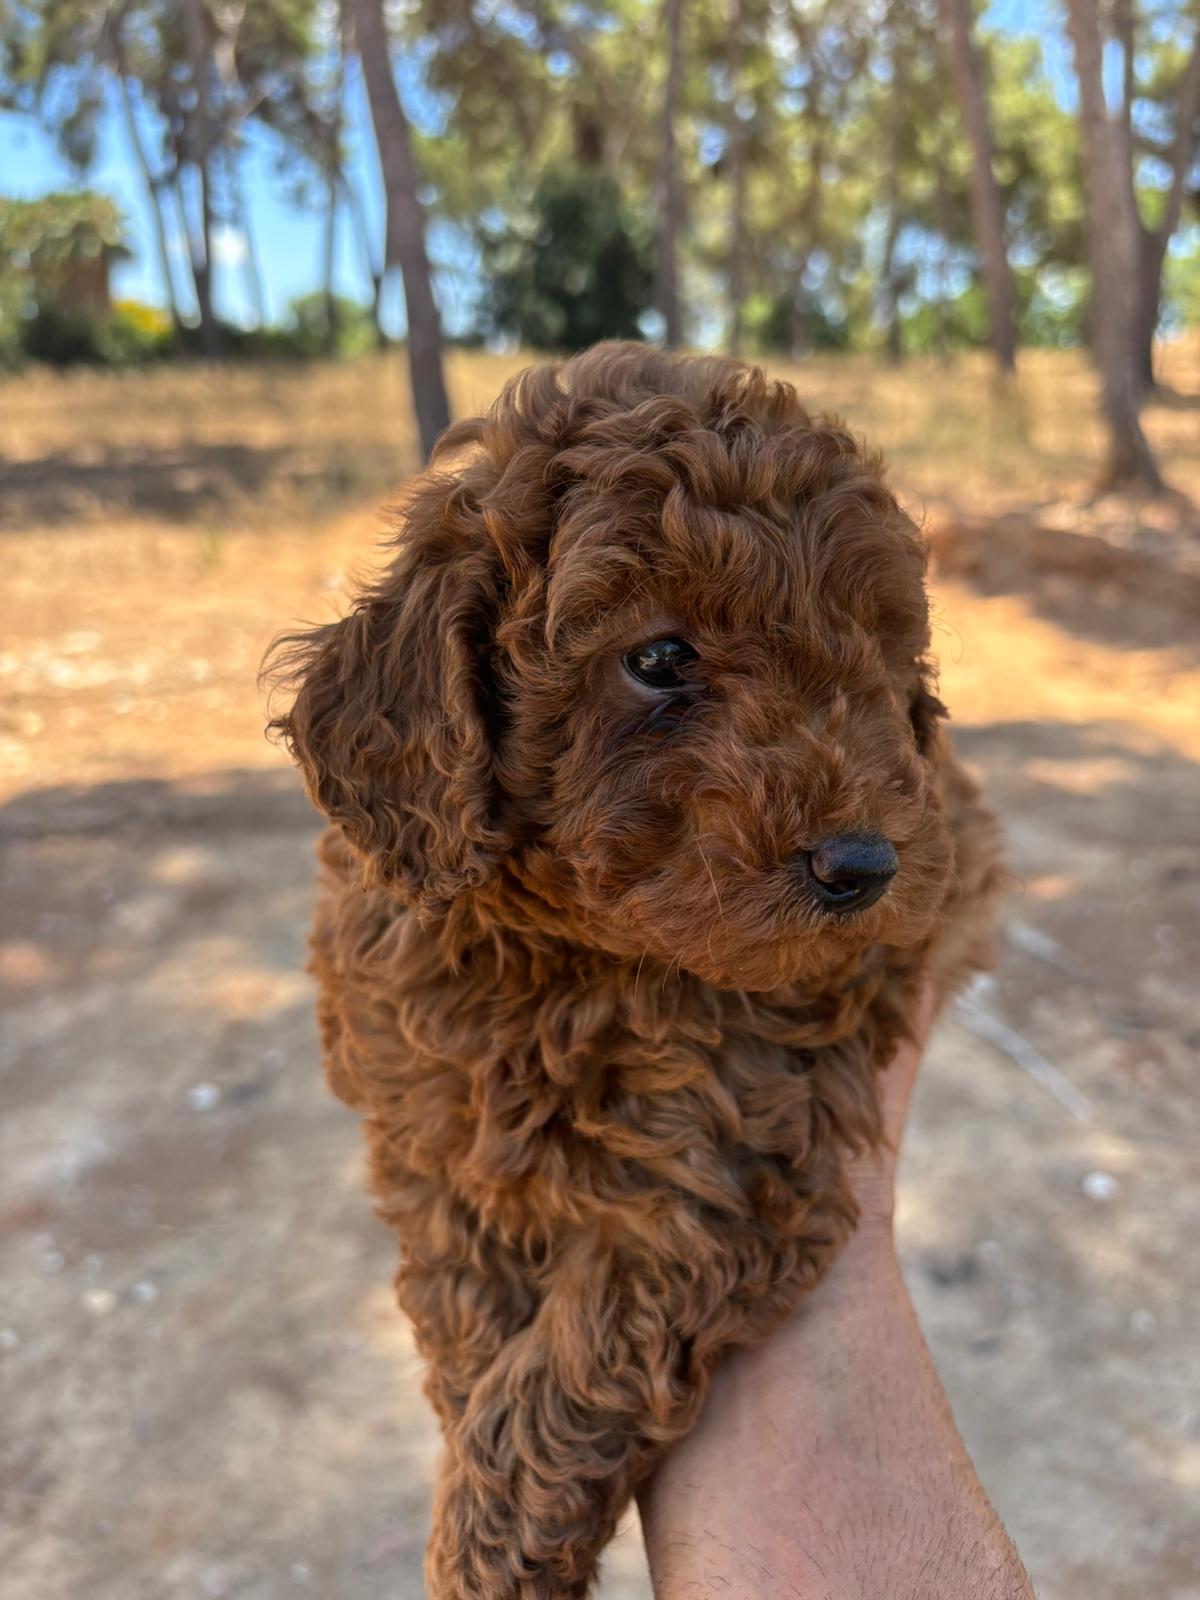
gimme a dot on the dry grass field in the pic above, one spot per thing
(206, 1391)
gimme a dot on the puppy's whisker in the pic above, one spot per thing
(637, 977)
(675, 964)
(717, 892)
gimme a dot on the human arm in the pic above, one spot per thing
(826, 1464)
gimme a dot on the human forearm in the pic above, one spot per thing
(827, 1466)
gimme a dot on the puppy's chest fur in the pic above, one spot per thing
(551, 1091)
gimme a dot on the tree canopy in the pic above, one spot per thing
(761, 174)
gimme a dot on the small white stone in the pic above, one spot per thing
(213, 1582)
(991, 1251)
(145, 1292)
(299, 1572)
(1034, 942)
(93, 1265)
(203, 1096)
(100, 1301)
(53, 1260)
(1143, 1322)
(1100, 1185)
(9, 1338)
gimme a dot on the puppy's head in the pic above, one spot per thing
(648, 669)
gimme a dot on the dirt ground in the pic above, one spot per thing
(206, 1390)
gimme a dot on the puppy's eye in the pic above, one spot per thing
(660, 663)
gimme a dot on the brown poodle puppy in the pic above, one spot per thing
(644, 833)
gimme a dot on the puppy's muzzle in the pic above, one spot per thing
(849, 872)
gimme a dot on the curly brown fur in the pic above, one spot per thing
(610, 1051)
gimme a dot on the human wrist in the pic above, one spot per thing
(871, 1175)
(801, 1368)
(716, 1506)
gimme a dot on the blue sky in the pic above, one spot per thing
(289, 236)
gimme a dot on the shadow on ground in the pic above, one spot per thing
(1142, 596)
(182, 484)
(209, 1390)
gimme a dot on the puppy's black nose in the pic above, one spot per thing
(850, 872)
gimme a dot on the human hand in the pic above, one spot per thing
(826, 1462)
(872, 1173)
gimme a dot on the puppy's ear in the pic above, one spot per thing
(925, 712)
(390, 721)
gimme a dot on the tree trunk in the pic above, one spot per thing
(327, 264)
(355, 207)
(405, 221)
(1113, 237)
(1124, 26)
(897, 114)
(333, 171)
(735, 161)
(353, 200)
(559, 31)
(987, 207)
(1149, 304)
(810, 220)
(737, 235)
(893, 339)
(670, 216)
(1155, 241)
(199, 54)
(151, 185)
(942, 213)
(187, 229)
(254, 277)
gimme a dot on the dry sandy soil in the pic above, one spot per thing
(206, 1391)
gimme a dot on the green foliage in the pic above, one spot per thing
(187, 77)
(1052, 304)
(572, 267)
(62, 336)
(306, 328)
(134, 333)
(944, 323)
(824, 171)
(792, 325)
(54, 259)
(1181, 284)
(42, 239)
(12, 351)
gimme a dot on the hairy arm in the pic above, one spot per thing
(826, 1464)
